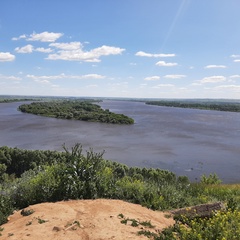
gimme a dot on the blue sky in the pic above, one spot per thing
(129, 48)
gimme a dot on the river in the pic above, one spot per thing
(187, 142)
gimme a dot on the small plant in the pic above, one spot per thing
(147, 224)
(134, 223)
(41, 221)
(148, 234)
(121, 215)
(27, 212)
(124, 221)
(28, 223)
(1, 229)
(211, 179)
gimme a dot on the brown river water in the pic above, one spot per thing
(187, 142)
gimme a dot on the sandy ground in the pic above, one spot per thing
(82, 219)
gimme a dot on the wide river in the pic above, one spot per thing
(185, 141)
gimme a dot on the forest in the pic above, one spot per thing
(35, 176)
(75, 109)
(206, 105)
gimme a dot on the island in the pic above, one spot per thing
(77, 110)
(205, 105)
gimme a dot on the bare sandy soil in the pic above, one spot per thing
(83, 219)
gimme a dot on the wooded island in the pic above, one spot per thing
(218, 106)
(75, 109)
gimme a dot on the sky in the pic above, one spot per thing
(129, 48)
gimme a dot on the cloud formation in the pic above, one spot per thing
(42, 37)
(215, 66)
(13, 78)
(155, 55)
(232, 88)
(6, 57)
(67, 46)
(213, 79)
(152, 78)
(235, 56)
(26, 49)
(174, 76)
(163, 85)
(165, 64)
(87, 56)
(63, 76)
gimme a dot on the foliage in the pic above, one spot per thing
(219, 106)
(223, 225)
(42, 176)
(8, 100)
(75, 109)
(211, 179)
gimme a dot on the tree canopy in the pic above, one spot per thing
(75, 109)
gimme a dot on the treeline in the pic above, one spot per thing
(75, 109)
(218, 106)
(8, 100)
(34, 176)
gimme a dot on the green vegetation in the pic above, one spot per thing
(223, 225)
(7, 100)
(30, 177)
(75, 109)
(207, 105)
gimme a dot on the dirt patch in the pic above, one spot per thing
(82, 219)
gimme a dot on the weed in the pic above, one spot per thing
(147, 224)
(40, 221)
(121, 215)
(124, 221)
(134, 223)
(147, 233)
(1, 229)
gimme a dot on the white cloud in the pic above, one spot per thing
(44, 37)
(237, 60)
(144, 54)
(26, 49)
(20, 37)
(213, 79)
(152, 78)
(163, 85)
(44, 81)
(235, 76)
(90, 56)
(6, 57)
(174, 76)
(13, 78)
(92, 86)
(67, 46)
(29, 49)
(164, 64)
(215, 66)
(235, 56)
(232, 88)
(63, 76)
(44, 50)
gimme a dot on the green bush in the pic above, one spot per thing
(72, 174)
